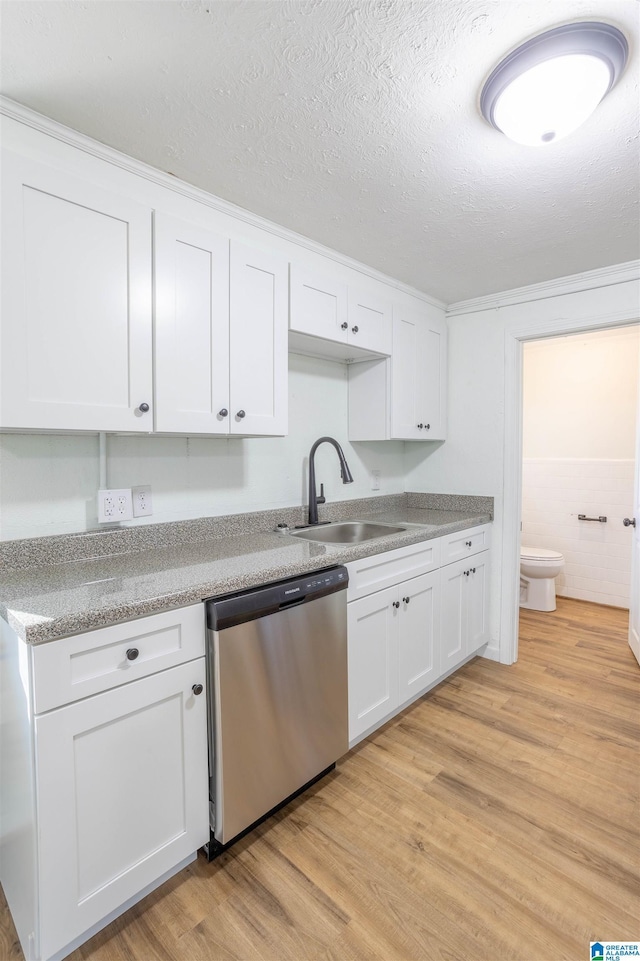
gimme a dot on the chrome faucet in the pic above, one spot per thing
(345, 473)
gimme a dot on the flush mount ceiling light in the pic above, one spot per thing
(548, 86)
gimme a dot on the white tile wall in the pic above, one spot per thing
(597, 556)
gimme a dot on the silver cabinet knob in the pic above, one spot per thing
(629, 522)
(427, 426)
(344, 326)
(354, 330)
(144, 408)
(197, 689)
(223, 413)
(396, 604)
(132, 653)
(420, 426)
(241, 414)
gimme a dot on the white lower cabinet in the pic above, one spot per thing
(419, 617)
(372, 629)
(122, 796)
(393, 649)
(121, 779)
(465, 603)
(407, 636)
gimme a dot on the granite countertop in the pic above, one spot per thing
(42, 603)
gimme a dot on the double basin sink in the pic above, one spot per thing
(348, 532)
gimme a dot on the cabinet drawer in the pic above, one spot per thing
(384, 570)
(85, 664)
(465, 543)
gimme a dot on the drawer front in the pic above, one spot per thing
(85, 664)
(384, 570)
(465, 543)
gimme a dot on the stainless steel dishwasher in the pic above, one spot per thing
(278, 708)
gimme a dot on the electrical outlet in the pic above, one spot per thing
(375, 479)
(141, 497)
(114, 505)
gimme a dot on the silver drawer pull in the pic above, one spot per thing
(132, 653)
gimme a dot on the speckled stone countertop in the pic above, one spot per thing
(42, 603)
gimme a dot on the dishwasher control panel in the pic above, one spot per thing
(224, 612)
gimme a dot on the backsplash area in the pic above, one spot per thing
(49, 483)
(597, 556)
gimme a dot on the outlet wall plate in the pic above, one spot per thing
(114, 505)
(141, 497)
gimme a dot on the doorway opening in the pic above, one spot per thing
(579, 405)
(518, 333)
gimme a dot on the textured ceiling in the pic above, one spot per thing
(354, 123)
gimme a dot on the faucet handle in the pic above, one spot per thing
(321, 499)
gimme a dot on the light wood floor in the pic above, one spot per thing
(495, 819)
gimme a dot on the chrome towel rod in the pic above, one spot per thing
(601, 520)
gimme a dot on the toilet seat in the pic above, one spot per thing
(539, 554)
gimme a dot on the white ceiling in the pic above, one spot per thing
(352, 122)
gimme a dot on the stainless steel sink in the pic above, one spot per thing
(347, 532)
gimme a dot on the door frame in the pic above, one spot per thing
(518, 332)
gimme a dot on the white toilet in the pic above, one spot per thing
(539, 568)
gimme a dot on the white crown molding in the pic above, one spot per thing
(16, 111)
(573, 283)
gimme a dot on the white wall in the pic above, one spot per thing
(48, 483)
(579, 433)
(580, 395)
(482, 453)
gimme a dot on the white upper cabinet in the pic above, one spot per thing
(318, 305)
(338, 321)
(403, 398)
(76, 304)
(258, 325)
(192, 328)
(220, 335)
(418, 376)
(76, 346)
(369, 321)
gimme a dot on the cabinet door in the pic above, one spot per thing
(418, 375)
(419, 637)
(76, 308)
(477, 591)
(122, 796)
(318, 305)
(192, 328)
(431, 377)
(453, 626)
(369, 322)
(259, 358)
(405, 374)
(373, 659)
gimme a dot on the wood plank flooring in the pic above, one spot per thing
(497, 818)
